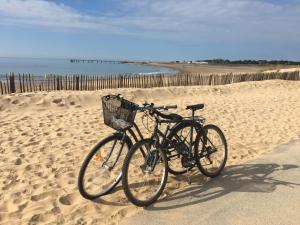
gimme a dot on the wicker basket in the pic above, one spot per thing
(118, 113)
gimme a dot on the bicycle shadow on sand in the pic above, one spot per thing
(237, 178)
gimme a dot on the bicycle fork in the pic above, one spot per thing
(122, 142)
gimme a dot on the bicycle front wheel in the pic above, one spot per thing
(144, 175)
(101, 170)
(211, 151)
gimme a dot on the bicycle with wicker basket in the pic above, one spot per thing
(106, 164)
(101, 170)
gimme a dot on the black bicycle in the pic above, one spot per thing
(145, 173)
(101, 170)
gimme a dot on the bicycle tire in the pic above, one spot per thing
(125, 180)
(199, 152)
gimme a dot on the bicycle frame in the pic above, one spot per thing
(132, 133)
(196, 121)
(124, 135)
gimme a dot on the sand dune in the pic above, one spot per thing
(45, 137)
(287, 70)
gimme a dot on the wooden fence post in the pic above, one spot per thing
(12, 83)
(7, 82)
(33, 83)
(77, 83)
(20, 84)
(6, 88)
(57, 83)
(1, 88)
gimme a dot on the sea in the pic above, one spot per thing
(40, 67)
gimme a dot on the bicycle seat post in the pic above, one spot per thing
(193, 114)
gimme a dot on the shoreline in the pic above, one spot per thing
(39, 67)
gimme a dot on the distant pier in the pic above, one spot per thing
(99, 61)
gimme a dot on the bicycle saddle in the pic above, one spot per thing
(195, 107)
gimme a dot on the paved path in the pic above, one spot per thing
(264, 191)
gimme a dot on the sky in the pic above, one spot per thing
(151, 29)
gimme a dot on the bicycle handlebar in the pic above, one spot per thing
(152, 107)
(155, 110)
(165, 107)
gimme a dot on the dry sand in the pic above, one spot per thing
(45, 137)
(286, 70)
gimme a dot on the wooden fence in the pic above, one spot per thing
(28, 83)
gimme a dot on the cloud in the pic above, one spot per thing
(195, 20)
(46, 14)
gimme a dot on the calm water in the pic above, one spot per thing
(40, 67)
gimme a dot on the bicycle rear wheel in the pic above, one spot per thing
(144, 177)
(211, 151)
(179, 143)
(101, 170)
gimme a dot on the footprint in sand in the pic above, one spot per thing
(57, 100)
(40, 196)
(35, 219)
(22, 206)
(15, 102)
(56, 210)
(28, 167)
(68, 199)
(18, 162)
(24, 133)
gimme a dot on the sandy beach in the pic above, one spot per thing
(207, 69)
(44, 138)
